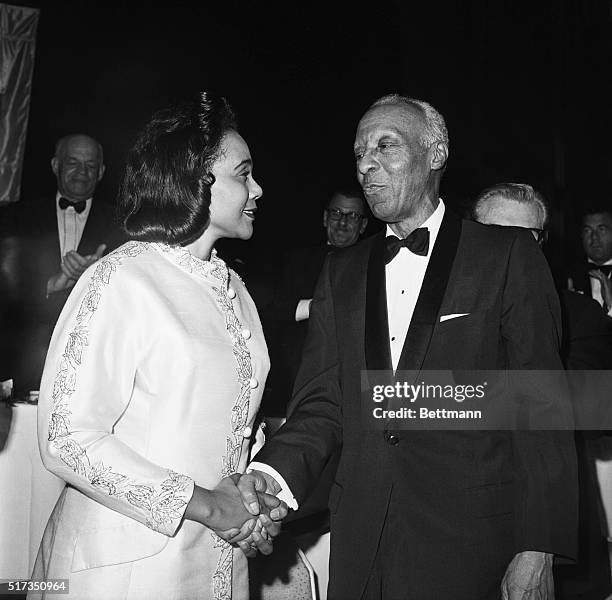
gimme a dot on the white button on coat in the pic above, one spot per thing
(246, 333)
(253, 383)
(246, 432)
(231, 293)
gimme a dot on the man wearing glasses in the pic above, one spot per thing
(344, 219)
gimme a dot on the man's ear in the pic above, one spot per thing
(438, 155)
(101, 171)
(55, 165)
(364, 224)
(324, 218)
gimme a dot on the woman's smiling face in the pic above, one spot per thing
(234, 193)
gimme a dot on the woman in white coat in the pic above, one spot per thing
(153, 380)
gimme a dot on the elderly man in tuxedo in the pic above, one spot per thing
(56, 239)
(427, 514)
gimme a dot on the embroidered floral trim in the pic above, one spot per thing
(216, 269)
(164, 503)
(222, 578)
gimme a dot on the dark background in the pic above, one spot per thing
(524, 86)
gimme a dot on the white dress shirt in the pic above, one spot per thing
(596, 287)
(70, 225)
(404, 278)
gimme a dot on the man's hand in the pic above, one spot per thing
(58, 282)
(74, 264)
(257, 533)
(251, 483)
(256, 488)
(606, 287)
(71, 269)
(223, 511)
(529, 577)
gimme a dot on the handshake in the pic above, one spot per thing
(243, 510)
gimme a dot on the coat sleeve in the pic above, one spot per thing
(546, 495)
(302, 447)
(86, 388)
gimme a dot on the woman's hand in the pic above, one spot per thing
(223, 511)
(258, 537)
(219, 509)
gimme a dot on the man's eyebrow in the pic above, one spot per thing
(242, 163)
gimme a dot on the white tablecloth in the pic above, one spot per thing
(28, 492)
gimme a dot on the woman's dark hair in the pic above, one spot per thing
(165, 193)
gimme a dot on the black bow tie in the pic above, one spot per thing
(79, 206)
(605, 269)
(417, 242)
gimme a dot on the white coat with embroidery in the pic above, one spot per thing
(152, 382)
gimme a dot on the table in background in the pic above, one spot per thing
(28, 492)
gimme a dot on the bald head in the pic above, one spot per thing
(78, 166)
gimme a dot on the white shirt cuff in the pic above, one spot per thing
(302, 311)
(285, 494)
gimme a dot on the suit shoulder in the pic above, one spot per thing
(357, 252)
(33, 215)
(497, 237)
(489, 232)
(298, 256)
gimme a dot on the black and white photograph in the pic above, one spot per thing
(306, 300)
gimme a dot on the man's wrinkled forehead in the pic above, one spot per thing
(346, 202)
(400, 119)
(79, 145)
(598, 218)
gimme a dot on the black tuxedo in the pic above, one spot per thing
(587, 332)
(31, 227)
(579, 274)
(447, 510)
(301, 270)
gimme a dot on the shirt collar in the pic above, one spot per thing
(608, 262)
(433, 223)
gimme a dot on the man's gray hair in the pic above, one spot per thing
(517, 192)
(435, 127)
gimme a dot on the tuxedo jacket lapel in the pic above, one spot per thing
(432, 292)
(377, 346)
(580, 279)
(91, 238)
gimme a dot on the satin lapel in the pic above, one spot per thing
(582, 283)
(377, 347)
(91, 232)
(432, 292)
